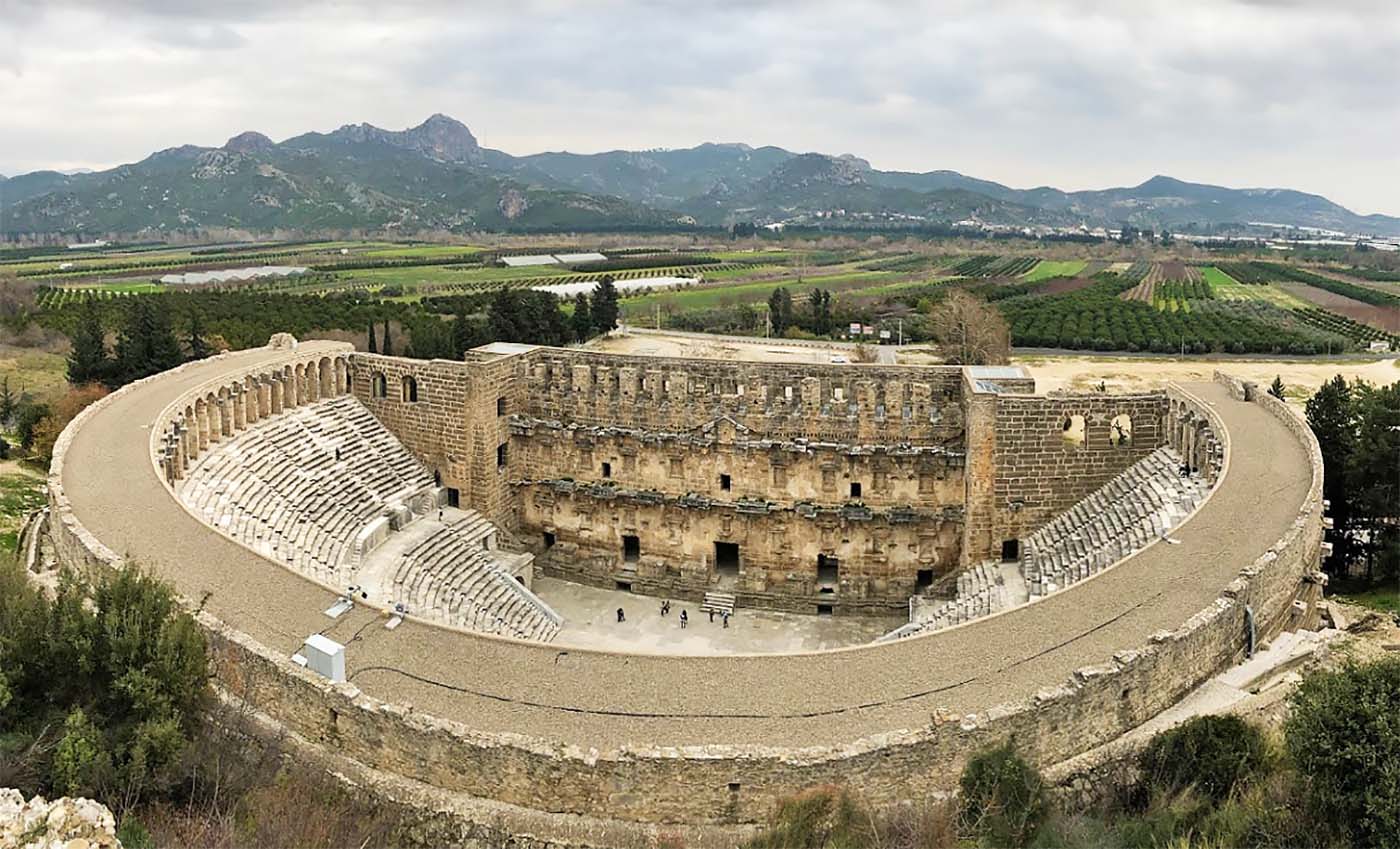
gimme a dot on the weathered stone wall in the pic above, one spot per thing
(842, 402)
(877, 553)
(454, 426)
(1036, 471)
(724, 462)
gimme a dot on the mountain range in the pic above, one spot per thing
(437, 176)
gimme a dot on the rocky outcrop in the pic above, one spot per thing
(512, 204)
(60, 824)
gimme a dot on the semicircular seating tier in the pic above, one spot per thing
(321, 486)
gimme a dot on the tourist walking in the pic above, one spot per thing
(621, 617)
(712, 616)
(684, 618)
(726, 619)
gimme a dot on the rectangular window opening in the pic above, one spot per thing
(500, 406)
(548, 539)
(824, 610)
(607, 470)
(631, 549)
(855, 489)
(924, 578)
(725, 482)
(501, 456)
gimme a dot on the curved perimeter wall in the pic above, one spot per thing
(739, 783)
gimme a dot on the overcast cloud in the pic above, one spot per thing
(1076, 95)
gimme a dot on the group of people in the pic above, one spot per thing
(685, 615)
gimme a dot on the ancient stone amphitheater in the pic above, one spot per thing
(1068, 566)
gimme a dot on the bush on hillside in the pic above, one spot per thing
(1215, 755)
(1343, 735)
(1003, 797)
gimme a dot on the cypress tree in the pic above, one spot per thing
(388, 342)
(461, 335)
(604, 307)
(373, 347)
(582, 321)
(199, 346)
(7, 401)
(87, 361)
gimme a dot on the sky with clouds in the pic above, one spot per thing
(1077, 95)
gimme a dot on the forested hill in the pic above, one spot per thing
(437, 176)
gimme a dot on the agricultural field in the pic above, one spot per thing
(1158, 305)
(1384, 318)
(1228, 288)
(703, 297)
(1045, 269)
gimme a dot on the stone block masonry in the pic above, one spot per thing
(701, 740)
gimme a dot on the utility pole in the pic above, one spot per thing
(901, 332)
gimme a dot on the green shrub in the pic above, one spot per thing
(1343, 735)
(1003, 797)
(1213, 754)
(820, 818)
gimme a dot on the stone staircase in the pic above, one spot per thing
(720, 603)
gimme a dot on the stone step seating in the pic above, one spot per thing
(278, 488)
(720, 603)
(981, 590)
(458, 576)
(1140, 505)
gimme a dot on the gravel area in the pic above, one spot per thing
(604, 700)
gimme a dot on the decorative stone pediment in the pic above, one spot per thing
(723, 429)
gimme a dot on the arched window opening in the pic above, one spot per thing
(1120, 431)
(1073, 431)
(409, 388)
(378, 386)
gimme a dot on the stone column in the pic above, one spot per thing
(239, 401)
(201, 427)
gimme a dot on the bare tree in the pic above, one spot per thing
(970, 332)
(866, 353)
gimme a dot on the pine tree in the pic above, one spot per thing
(388, 342)
(199, 346)
(1276, 388)
(373, 346)
(582, 320)
(147, 343)
(88, 360)
(604, 308)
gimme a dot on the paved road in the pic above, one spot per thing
(594, 699)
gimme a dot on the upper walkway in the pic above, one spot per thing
(599, 700)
